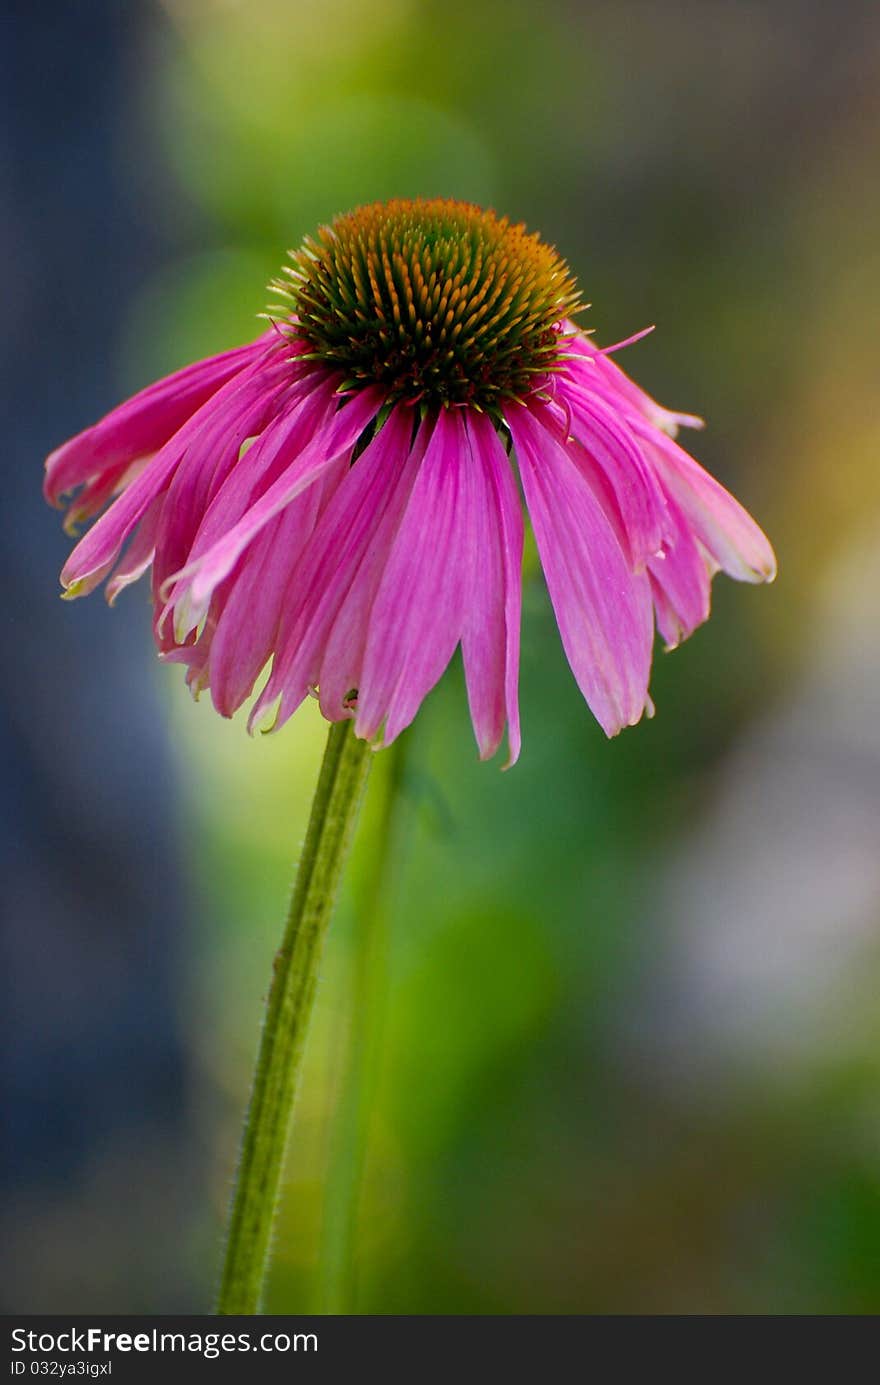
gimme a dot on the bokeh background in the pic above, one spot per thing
(627, 1026)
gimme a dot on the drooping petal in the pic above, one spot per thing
(306, 410)
(605, 449)
(195, 651)
(94, 495)
(418, 615)
(145, 422)
(245, 634)
(681, 581)
(490, 638)
(211, 455)
(139, 554)
(602, 608)
(349, 545)
(239, 632)
(726, 530)
(250, 594)
(97, 551)
(341, 669)
(193, 586)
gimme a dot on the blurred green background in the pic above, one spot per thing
(630, 1043)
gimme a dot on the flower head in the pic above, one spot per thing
(339, 499)
(438, 302)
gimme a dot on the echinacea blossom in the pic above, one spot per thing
(339, 498)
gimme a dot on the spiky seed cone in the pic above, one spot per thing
(437, 300)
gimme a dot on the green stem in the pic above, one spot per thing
(331, 826)
(337, 1290)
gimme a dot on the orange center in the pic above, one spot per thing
(435, 300)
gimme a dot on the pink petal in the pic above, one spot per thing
(681, 580)
(307, 408)
(490, 638)
(97, 551)
(248, 625)
(347, 549)
(211, 455)
(239, 633)
(343, 658)
(602, 609)
(92, 497)
(190, 596)
(606, 451)
(145, 422)
(418, 615)
(139, 554)
(725, 529)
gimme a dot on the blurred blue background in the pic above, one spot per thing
(630, 1055)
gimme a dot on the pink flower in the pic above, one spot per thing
(339, 497)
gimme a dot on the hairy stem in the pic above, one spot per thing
(294, 974)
